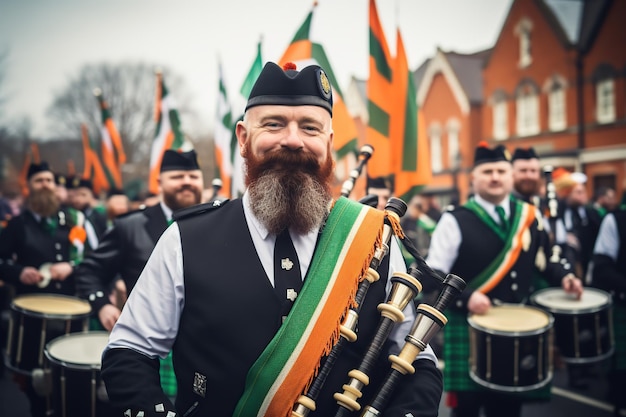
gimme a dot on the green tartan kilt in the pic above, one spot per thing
(456, 356)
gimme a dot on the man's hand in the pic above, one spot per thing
(572, 285)
(108, 316)
(478, 303)
(30, 276)
(60, 271)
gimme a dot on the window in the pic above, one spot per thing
(435, 148)
(453, 144)
(527, 109)
(557, 119)
(603, 78)
(522, 31)
(605, 101)
(500, 119)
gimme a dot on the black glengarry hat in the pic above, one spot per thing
(82, 183)
(289, 87)
(484, 154)
(521, 153)
(379, 182)
(37, 168)
(179, 161)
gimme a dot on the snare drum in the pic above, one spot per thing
(35, 320)
(583, 328)
(511, 348)
(77, 389)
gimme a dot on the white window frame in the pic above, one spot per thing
(500, 110)
(527, 113)
(436, 160)
(523, 31)
(605, 100)
(453, 129)
(557, 116)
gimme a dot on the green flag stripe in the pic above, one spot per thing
(409, 145)
(179, 139)
(379, 119)
(318, 53)
(253, 74)
(376, 51)
(349, 147)
(303, 33)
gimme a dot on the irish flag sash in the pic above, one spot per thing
(517, 238)
(291, 359)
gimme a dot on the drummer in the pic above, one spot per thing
(37, 254)
(493, 242)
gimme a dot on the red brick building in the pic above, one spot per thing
(555, 80)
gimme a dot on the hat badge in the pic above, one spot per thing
(324, 83)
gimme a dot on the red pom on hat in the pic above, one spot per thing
(483, 144)
(289, 66)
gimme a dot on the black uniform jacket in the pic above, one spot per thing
(480, 245)
(123, 251)
(25, 242)
(609, 274)
(231, 312)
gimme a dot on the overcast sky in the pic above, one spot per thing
(49, 40)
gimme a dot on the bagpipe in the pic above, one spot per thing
(404, 288)
(552, 213)
(365, 153)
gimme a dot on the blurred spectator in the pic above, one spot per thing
(382, 187)
(609, 274)
(604, 200)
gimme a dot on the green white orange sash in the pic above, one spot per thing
(290, 361)
(522, 217)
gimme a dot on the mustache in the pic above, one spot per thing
(284, 160)
(186, 188)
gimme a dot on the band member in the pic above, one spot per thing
(527, 176)
(41, 234)
(224, 314)
(126, 247)
(581, 222)
(83, 199)
(609, 274)
(38, 251)
(473, 242)
(381, 187)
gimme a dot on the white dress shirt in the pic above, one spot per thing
(152, 331)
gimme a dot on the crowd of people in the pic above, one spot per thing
(204, 314)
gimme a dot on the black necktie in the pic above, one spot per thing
(287, 279)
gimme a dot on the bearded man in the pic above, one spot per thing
(40, 236)
(234, 309)
(527, 179)
(38, 251)
(126, 246)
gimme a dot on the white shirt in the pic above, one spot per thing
(607, 242)
(446, 238)
(152, 331)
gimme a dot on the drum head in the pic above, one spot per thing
(51, 306)
(512, 319)
(78, 350)
(556, 300)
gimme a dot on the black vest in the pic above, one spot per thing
(231, 312)
(480, 245)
